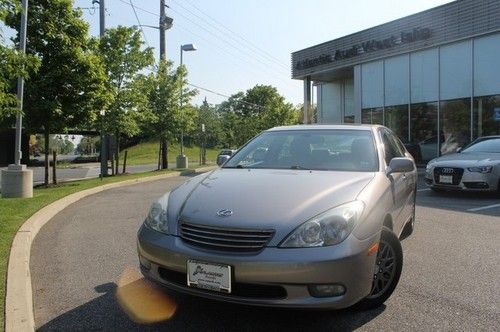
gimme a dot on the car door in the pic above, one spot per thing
(398, 180)
(411, 181)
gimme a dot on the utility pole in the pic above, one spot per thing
(164, 24)
(104, 140)
(163, 41)
(17, 180)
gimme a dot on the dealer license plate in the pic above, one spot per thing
(446, 179)
(212, 276)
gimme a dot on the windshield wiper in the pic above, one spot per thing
(299, 167)
(237, 166)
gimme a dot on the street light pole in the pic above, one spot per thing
(104, 140)
(17, 180)
(20, 86)
(182, 160)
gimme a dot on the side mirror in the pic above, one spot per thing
(400, 165)
(221, 160)
(459, 150)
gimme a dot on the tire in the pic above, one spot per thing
(389, 251)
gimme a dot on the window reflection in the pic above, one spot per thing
(396, 118)
(455, 124)
(424, 130)
(372, 115)
(486, 116)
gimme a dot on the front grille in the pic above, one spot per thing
(456, 174)
(239, 289)
(225, 239)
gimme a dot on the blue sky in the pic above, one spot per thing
(243, 43)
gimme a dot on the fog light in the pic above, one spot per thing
(144, 263)
(326, 290)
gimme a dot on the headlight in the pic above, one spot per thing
(480, 169)
(157, 218)
(428, 168)
(329, 228)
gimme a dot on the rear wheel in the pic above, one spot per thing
(387, 270)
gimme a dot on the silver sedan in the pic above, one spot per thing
(301, 216)
(475, 168)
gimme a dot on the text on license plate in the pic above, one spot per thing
(212, 276)
(446, 179)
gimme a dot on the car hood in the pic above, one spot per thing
(466, 159)
(269, 199)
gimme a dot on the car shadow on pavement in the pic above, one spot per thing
(196, 314)
(460, 201)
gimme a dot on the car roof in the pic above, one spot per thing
(326, 126)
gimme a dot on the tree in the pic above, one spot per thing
(124, 57)
(246, 114)
(168, 90)
(12, 65)
(208, 116)
(68, 89)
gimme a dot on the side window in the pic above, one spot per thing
(391, 148)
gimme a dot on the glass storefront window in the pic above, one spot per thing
(424, 138)
(486, 116)
(349, 119)
(454, 124)
(396, 118)
(372, 115)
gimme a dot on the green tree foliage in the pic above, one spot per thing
(68, 89)
(245, 115)
(124, 56)
(167, 91)
(208, 115)
(56, 142)
(12, 65)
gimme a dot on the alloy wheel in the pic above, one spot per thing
(385, 269)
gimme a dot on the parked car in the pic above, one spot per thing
(227, 153)
(301, 216)
(474, 168)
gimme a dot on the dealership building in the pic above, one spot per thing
(432, 77)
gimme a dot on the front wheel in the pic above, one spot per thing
(387, 270)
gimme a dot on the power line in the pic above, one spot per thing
(231, 35)
(237, 35)
(221, 50)
(237, 48)
(210, 32)
(139, 8)
(140, 27)
(226, 96)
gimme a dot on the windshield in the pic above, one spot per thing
(491, 145)
(346, 150)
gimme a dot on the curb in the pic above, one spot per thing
(19, 314)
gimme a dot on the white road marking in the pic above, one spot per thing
(426, 189)
(483, 208)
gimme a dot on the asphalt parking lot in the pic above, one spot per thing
(85, 258)
(476, 203)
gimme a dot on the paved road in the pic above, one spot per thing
(84, 172)
(86, 255)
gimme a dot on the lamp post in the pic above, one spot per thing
(182, 160)
(17, 180)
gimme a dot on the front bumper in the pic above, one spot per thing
(265, 272)
(468, 181)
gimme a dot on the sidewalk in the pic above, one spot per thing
(83, 171)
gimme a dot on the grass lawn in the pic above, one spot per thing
(147, 153)
(14, 211)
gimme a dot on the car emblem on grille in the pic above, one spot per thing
(447, 170)
(224, 213)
